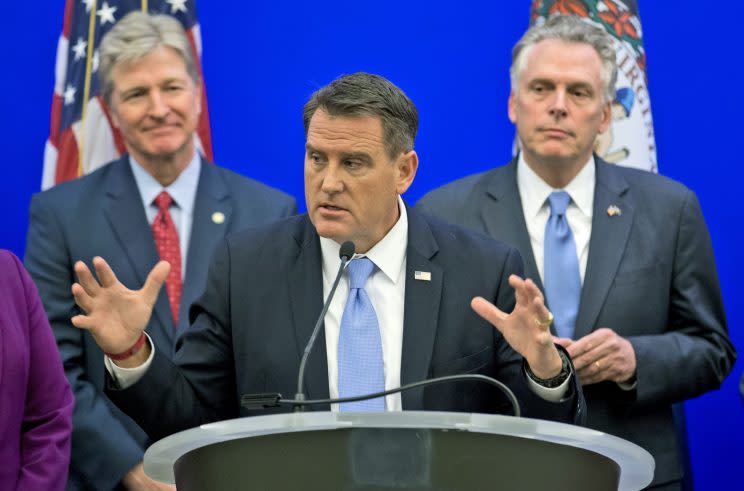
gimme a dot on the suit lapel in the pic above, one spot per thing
(207, 230)
(503, 216)
(126, 216)
(606, 246)
(422, 299)
(305, 280)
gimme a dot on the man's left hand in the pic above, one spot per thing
(601, 355)
(527, 328)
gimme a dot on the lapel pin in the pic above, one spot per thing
(613, 210)
(422, 275)
(218, 217)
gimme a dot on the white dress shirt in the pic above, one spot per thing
(534, 193)
(183, 192)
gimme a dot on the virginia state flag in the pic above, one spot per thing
(81, 135)
(630, 139)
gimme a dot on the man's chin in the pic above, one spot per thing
(330, 230)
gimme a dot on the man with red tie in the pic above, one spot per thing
(160, 201)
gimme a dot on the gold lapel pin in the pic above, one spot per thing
(422, 275)
(613, 210)
(218, 217)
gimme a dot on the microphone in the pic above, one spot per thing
(345, 253)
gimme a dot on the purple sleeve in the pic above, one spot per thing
(47, 418)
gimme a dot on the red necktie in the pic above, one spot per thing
(166, 241)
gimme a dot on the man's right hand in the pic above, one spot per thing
(137, 480)
(115, 315)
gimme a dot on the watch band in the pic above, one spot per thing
(562, 376)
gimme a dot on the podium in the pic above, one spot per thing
(409, 450)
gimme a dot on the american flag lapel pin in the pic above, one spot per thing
(613, 211)
(422, 275)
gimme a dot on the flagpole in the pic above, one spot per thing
(86, 89)
(144, 6)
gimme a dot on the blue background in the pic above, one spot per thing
(262, 59)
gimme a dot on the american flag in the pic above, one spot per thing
(81, 135)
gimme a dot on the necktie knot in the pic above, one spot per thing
(163, 200)
(559, 201)
(359, 270)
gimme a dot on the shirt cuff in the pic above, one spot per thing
(127, 377)
(628, 386)
(552, 394)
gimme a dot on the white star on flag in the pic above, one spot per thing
(96, 60)
(79, 49)
(88, 4)
(107, 13)
(177, 5)
(69, 95)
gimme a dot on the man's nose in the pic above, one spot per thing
(158, 106)
(558, 108)
(332, 182)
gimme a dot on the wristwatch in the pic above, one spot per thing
(562, 376)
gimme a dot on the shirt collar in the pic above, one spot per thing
(534, 191)
(182, 190)
(388, 254)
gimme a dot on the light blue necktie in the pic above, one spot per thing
(562, 279)
(360, 368)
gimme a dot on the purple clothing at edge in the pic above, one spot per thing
(35, 398)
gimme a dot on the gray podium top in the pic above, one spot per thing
(636, 465)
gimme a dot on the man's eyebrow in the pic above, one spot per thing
(134, 88)
(544, 81)
(357, 155)
(582, 85)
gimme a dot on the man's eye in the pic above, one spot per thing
(132, 95)
(352, 164)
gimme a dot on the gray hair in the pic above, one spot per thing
(365, 94)
(571, 29)
(135, 36)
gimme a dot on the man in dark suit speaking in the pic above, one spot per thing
(623, 255)
(403, 312)
(161, 201)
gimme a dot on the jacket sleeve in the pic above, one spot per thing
(695, 353)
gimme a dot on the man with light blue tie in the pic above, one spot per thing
(419, 299)
(623, 255)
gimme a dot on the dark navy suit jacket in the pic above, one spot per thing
(263, 296)
(102, 214)
(650, 276)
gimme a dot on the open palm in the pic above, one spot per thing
(114, 314)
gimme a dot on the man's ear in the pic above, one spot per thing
(114, 115)
(406, 168)
(198, 99)
(606, 117)
(511, 107)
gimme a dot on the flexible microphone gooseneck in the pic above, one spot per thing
(345, 254)
(263, 401)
